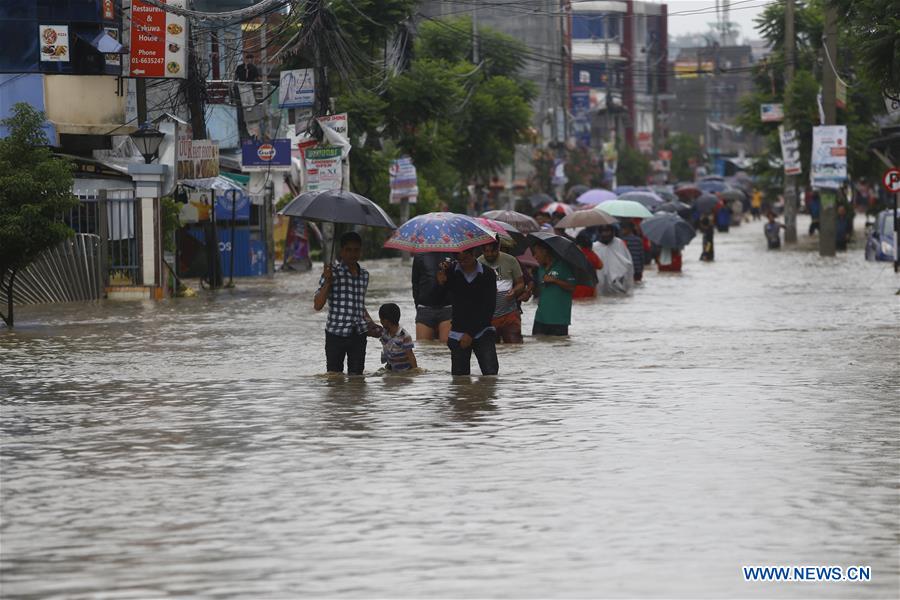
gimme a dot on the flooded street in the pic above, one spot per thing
(742, 413)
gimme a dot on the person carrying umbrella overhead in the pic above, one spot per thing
(471, 290)
(466, 286)
(343, 286)
(559, 259)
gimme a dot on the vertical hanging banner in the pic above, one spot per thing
(323, 168)
(790, 151)
(158, 41)
(404, 181)
(828, 168)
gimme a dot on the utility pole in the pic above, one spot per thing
(790, 181)
(475, 32)
(828, 216)
(654, 90)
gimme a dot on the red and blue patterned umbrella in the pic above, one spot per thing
(440, 232)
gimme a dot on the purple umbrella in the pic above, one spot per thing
(595, 196)
(440, 232)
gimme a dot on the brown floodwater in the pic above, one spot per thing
(744, 412)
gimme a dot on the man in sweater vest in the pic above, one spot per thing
(471, 289)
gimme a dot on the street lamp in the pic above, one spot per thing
(147, 139)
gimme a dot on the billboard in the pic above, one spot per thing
(158, 41)
(790, 151)
(323, 168)
(404, 180)
(264, 156)
(828, 168)
(771, 113)
(296, 88)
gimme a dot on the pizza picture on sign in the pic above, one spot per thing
(49, 36)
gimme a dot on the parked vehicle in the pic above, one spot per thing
(881, 240)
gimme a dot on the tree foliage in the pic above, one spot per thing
(800, 99)
(35, 190)
(633, 167)
(684, 147)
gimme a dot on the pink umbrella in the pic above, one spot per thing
(596, 196)
(496, 227)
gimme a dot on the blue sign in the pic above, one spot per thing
(241, 205)
(581, 102)
(263, 156)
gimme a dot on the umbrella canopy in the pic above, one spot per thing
(624, 189)
(557, 208)
(680, 208)
(688, 191)
(526, 259)
(338, 206)
(569, 252)
(712, 178)
(665, 193)
(499, 228)
(596, 196)
(521, 222)
(712, 185)
(575, 191)
(733, 194)
(649, 199)
(440, 232)
(540, 199)
(667, 230)
(705, 203)
(625, 209)
(587, 218)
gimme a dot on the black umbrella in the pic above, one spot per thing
(705, 203)
(338, 206)
(574, 192)
(568, 251)
(676, 206)
(540, 199)
(667, 230)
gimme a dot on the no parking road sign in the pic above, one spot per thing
(891, 180)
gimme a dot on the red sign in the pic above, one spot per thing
(109, 11)
(891, 180)
(665, 155)
(148, 40)
(158, 41)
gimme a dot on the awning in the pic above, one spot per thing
(104, 43)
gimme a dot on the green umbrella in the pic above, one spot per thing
(624, 209)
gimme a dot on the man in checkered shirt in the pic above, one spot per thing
(343, 287)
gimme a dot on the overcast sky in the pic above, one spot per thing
(742, 12)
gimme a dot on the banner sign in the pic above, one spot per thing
(323, 168)
(297, 89)
(404, 181)
(224, 199)
(54, 43)
(771, 113)
(790, 151)
(828, 168)
(264, 156)
(194, 159)
(158, 41)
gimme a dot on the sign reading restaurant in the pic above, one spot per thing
(158, 41)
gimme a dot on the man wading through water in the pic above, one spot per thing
(471, 289)
(344, 287)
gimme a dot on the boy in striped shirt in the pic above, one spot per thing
(398, 345)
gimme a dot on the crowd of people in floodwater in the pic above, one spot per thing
(472, 300)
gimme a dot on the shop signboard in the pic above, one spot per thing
(264, 156)
(158, 41)
(828, 168)
(323, 168)
(54, 41)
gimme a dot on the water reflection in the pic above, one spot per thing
(741, 413)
